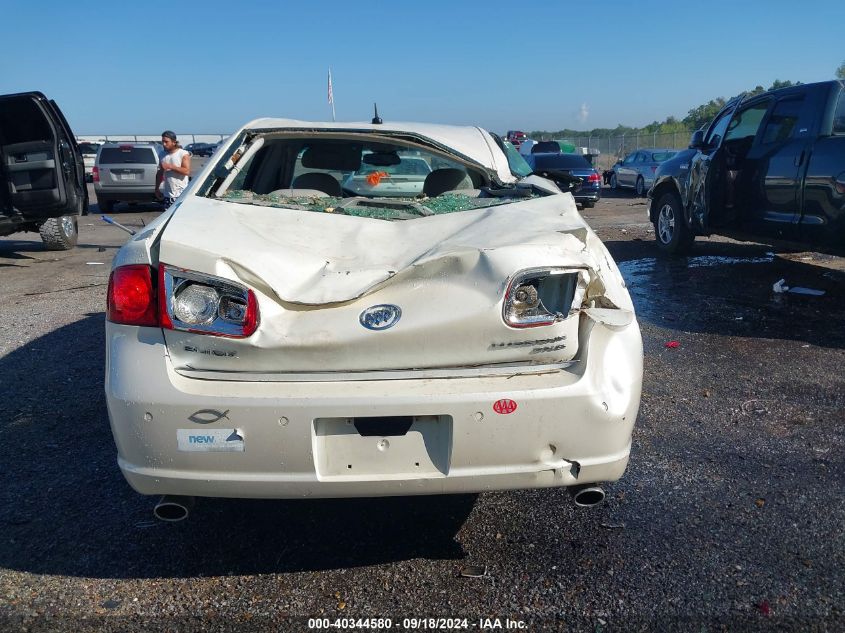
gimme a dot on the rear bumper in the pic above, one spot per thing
(592, 196)
(569, 427)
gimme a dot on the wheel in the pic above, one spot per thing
(59, 234)
(106, 206)
(613, 183)
(670, 229)
(589, 204)
(640, 186)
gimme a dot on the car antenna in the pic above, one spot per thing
(376, 119)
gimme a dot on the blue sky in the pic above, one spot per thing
(208, 67)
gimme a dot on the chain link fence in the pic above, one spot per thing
(612, 148)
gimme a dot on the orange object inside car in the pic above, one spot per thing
(376, 177)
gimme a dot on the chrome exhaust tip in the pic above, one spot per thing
(586, 496)
(173, 509)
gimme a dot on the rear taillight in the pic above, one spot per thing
(204, 304)
(594, 177)
(653, 168)
(95, 174)
(131, 298)
(543, 296)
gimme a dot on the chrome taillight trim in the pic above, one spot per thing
(536, 273)
(175, 278)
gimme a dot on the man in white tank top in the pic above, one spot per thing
(173, 170)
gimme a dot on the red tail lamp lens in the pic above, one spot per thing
(131, 296)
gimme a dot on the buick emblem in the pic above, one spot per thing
(380, 317)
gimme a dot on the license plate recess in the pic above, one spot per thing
(385, 447)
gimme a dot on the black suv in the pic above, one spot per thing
(42, 173)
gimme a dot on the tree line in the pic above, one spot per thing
(695, 118)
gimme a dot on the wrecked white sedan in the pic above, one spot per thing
(274, 334)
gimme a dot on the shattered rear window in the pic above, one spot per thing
(361, 177)
(377, 209)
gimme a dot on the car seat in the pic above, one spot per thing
(319, 181)
(447, 179)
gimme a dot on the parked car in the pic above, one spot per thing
(546, 147)
(769, 167)
(636, 171)
(218, 145)
(89, 155)
(268, 337)
(515, 137)
(525, 146)
(200, 149)
(561, 167)
(405, 176)
(42, 173)
(126, 172)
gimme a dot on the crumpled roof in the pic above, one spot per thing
(472, 142)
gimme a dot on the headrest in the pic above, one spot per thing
(321, 182)
(449, 179)
(334, 156)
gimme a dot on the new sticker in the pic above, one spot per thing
(210, 440)
(504, 406)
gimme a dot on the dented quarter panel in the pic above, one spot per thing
(142, 247)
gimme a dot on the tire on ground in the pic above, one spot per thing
(60, 234)
(670, 228)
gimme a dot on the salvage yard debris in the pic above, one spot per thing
(753, 406)
(780, 287)
(474, 571)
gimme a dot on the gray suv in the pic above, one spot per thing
(126, 172)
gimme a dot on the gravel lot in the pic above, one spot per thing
(729, 517)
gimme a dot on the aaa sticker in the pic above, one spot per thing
(504, 406)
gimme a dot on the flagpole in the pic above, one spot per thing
(331, 93)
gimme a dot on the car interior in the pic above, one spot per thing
(291, 167)
(738, 139)
(28, 155)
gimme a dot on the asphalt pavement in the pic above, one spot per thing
(729, 516)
